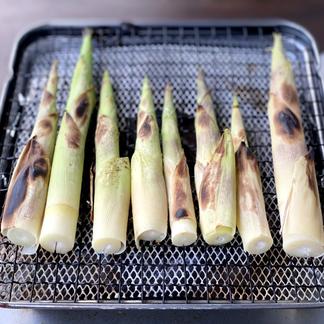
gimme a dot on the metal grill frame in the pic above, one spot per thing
(175, 33)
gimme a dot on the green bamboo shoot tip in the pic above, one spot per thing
(51, 85)
(278, 53)
(202, 90)
(235, 104)
(146, 101)
(280, 65)
(107, 104)
(168, 106)
(146, 82)
(237, 127)
(86, 47)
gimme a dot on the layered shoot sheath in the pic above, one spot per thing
(62, 207)
(112, 180)
(214, 173)
(207, 131)
(26, 197)
(251, 215)
(181, 209)
(294, 169)
(149, 199)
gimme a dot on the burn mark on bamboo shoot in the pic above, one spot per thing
(249, 195)
(204, 195)
(46, 126)
(287, 123)
(141, 115)
(180, 194)
(181, 169)
(209, 183)
(73, 134)
(39, 168)
(102, 128)
(220, 148)
(203, 117)
(289, 94)
(35, 148)
(146, 128)
(47, 98)
(310, 172)
(181, 213)
(31, 165)
(241, 134)
(82, 107)
(244, 157)
(52, 115)
(17, 195)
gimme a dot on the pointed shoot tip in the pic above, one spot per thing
(106, 76)
(277, 43)
(87, 32)
(235, 102)
(201, 74)
(146, 82)
(168, 87)
(54, 65)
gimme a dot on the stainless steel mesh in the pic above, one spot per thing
(234, 58)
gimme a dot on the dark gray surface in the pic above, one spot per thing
(231, 316)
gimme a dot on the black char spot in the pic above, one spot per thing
(39, 168)
(18, 192)
(146, 129)
(180, 213)
(82, 107)
(288, 121)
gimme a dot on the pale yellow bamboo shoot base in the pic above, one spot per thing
(222, 235)
(303, 247)
(20, 236)
(59, 228)
(183, 233)
(108, 246)
(258, 245)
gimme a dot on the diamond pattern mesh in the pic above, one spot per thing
(235, 58)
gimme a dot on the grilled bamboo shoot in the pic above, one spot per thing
(112, 182)
(25, 201)
(251, 215)
(149, 200)
(214, 172)
(207, 131)
(181, 209)
(217, 194)
(294, 170)
(63, 200)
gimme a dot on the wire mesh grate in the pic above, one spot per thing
(234, 58)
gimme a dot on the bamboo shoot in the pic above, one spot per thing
(294, 169)
(25, 201)
(149, 199)
(63, 200)
(251, 215)
(181, 209)
(112, 180)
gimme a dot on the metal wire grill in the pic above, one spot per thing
(234, 58)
